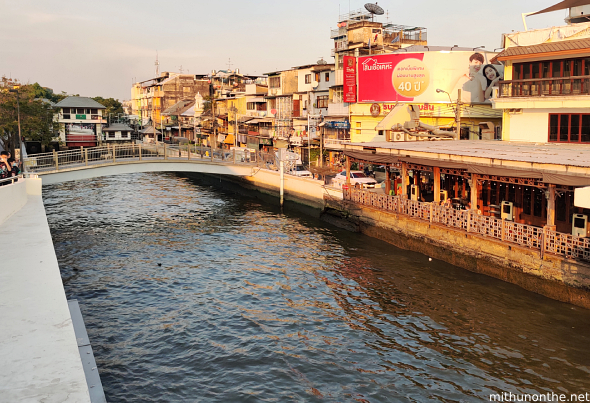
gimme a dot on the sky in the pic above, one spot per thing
(101, 48)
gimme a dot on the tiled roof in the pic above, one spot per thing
(79, 102)
(117, 127)
(551, 47)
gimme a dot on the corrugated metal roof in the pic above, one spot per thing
(79, 102)
(574, 44)
(117, 127)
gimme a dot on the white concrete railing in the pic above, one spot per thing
(542, 239)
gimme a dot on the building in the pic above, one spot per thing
(80, 121)
(117, 133)
(357, 35)
(181, 114)
(445, 84)
(545, 93)
(151, 97)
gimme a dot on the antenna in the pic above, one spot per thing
(229, 64)
(157, 65)
(374, 9)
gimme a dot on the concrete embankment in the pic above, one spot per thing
(555, 277)
(38, 348)
(549, 275)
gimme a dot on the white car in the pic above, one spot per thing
(300, 171)
(355, 177)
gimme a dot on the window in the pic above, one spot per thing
(380, 132)
(66, 116)
(569, 128)
(327, 77)
(251, 106)
(66, 110)
(111, 135)
(93, 111)
(124, 135)
(274, 82)
(308, 79)
(80, 111)
(322, 101)
(317, 77)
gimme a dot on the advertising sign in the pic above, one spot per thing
(349, 79)
(416, 77)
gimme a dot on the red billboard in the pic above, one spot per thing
(349, 79)
(416, 77)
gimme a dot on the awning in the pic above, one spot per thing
(254, 122)
(370, 157)
(322, 124)
(566, 180)
(515, 173)
(245, 119)
(563, 5)
(229, 139)
(257, 99)
(399, 114)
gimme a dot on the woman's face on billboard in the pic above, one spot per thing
(490, 73)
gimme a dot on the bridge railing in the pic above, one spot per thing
(112, 154)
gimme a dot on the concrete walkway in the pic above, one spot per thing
(39, 354)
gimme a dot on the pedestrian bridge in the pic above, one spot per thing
(85, 163)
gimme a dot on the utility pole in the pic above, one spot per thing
(459, 115)
(13, 146)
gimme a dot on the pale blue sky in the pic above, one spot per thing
(98, 48)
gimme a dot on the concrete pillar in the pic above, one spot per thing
(551, 206)
(474, 192)
(436, 174)
(348, 170)
(387, 180)
(405, 180)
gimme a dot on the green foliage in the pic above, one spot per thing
(47, 93)
(36, 117)
(113, 106)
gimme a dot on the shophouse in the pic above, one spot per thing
(80, 121)
(356, 35)
(182, 123)
(151, 97)
(282, 85)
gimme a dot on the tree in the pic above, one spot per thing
(36, 117)
(113, 106)
(47, 93)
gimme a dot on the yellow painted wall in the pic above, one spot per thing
(362, 123)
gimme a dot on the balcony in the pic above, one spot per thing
(338, 109)
(541, 87)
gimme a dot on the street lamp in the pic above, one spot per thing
(15, 89)
(455, 109)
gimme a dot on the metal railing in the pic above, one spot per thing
(536, 87)
(544, 239)
(133, 153)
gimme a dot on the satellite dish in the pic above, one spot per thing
(374, 9)
(315, 84)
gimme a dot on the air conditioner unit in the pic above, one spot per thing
(444, 195)
(398, 136)
(507, 211)
(415, 192)
(580, 225)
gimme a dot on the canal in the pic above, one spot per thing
(192, 293)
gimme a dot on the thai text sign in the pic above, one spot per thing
(349, 79)
(417, 77)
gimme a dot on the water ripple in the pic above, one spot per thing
(190, 293)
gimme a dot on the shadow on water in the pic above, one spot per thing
(197, 293)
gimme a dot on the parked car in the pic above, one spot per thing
(299, 170)
(356, 177)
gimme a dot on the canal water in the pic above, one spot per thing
(191, 293)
